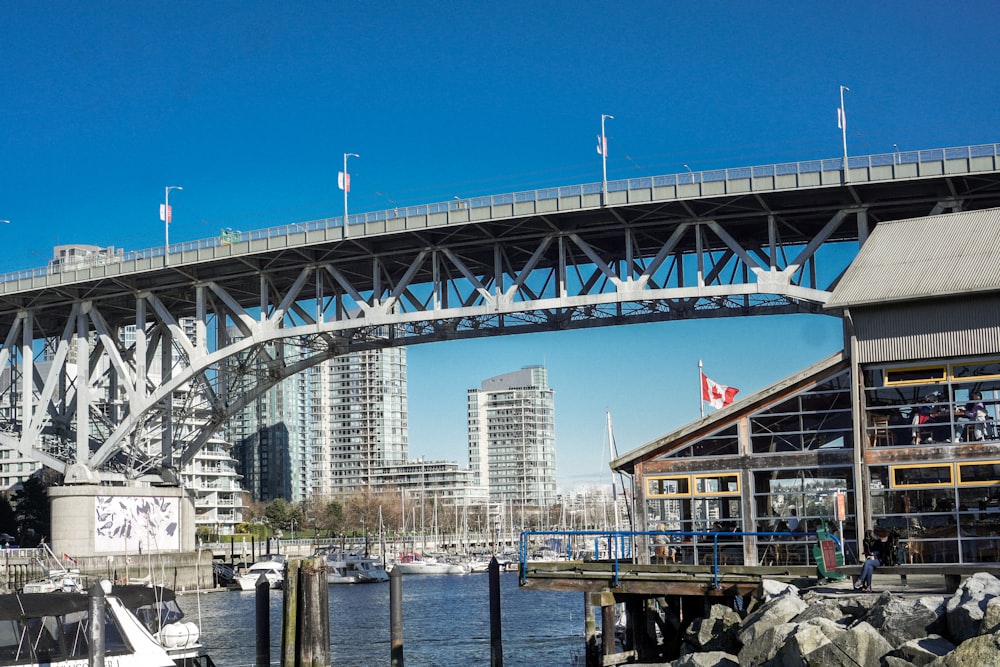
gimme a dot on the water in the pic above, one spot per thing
(446, 622)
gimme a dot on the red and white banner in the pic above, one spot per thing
(715, 394)
(165, 213)
(344, 181)
(602, 145)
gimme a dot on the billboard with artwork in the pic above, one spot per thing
(132, 524)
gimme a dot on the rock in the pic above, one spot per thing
(766, 644)
(709, 659)
(769, 588)
(774, 612)
(716, 632)
(919, 652)
(900, 619)
(893, 661)
(991, 617)
(833, 609)
(805, 639)
(981, 651)
(859, 646)
(967, 607)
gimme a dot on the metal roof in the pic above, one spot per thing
(921, 258)
(731, 413)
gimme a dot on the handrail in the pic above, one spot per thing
(231, 237)
(621, 539)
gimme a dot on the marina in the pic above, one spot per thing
(445, 621)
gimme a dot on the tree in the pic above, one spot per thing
(32, 508)
(331, 519)
(8, 519)
(277, 512)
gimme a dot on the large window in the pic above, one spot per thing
(819, 418)
(942, 513)
(703, 502)
(932, 403)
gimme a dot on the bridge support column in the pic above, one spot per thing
(92, 520)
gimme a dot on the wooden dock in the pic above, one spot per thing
(675, 579)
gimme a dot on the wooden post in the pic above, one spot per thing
(396, 618)
(262, 607)
(608, 629)
(313, 648)
(95, 635)
(290, 614)
(589, 631)
(496, 630)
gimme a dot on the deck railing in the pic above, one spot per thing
(618, 546)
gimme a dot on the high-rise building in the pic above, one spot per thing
(512, 444)
(328, 430)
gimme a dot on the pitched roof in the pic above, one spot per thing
(923, 258)
(731, 413)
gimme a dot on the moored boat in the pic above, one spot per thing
(351, 568)
(416, 564)
(272, 570)
(143, 627)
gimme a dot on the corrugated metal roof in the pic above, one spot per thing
(730, 413)
(919, 258)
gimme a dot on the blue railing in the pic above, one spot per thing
(230, 237)
(617, 546)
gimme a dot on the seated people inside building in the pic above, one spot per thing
(975, 427)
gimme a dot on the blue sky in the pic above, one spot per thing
(250, 107)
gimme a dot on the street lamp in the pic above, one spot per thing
(602, 148)
(165, 217)
(690, 172)
(842, 124)
(345, 184)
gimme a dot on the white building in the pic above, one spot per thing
(512, 446)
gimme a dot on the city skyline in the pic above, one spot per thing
(252, 108)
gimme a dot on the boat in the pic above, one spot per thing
(352, 568)
(143, 628)
(272, 570)
(413, 563)
(56, 576)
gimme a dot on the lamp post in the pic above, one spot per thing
(165, 217)
(690, 172)
(842, 122)
(345, 185)
(602, 148)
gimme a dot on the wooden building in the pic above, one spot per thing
(903, 422)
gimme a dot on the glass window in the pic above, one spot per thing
(922, 475)
(980, 473)
(668, 486)
(919, 375)
(728, 483)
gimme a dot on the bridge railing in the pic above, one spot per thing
(886, 162)
(714, 548)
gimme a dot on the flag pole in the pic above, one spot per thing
(701, 391)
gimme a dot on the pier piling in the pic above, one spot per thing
(496, 638)
(396, 618)
(95, 656)
(262, 610)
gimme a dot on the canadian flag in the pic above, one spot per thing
(717, 395)
(67, 557)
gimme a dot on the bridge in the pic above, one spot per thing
(222, 320)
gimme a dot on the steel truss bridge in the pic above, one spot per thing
(123, 365)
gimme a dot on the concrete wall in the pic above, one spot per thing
(74, 520)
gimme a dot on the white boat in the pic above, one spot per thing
(143, 628)
(273, 571)
(353, 568)
(415, 564)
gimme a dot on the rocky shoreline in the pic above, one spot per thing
(784, 627)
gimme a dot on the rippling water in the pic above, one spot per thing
(446, 621)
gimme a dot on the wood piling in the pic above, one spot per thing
(262, 609)
(496, 629)
(396, 618)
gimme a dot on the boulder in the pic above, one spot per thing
(981, 651)
(715, 632)
(765, 645)
(832, 609)
(769, 588)
(901, 619)
(991, 617)
(859, 646)
(919, 652)
(805, 639)
(967, 607)
(774, 612)
(709, 659)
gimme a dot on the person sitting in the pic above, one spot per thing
(975, 412)
(875, 551)
(661, 551)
